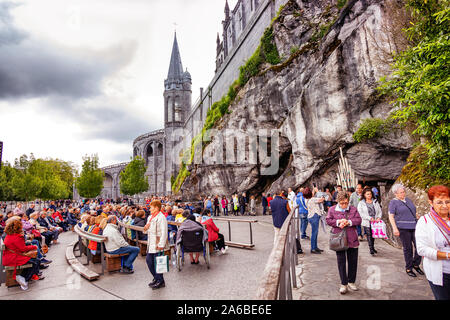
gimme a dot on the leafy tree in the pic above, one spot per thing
(420, 85)
(26, 186)
(133, 179)
(7, 174)
(90, 182)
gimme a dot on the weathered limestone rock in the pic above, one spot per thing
(315, 103)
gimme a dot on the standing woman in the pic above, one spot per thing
(370, 210)
(339, 217)
(403, 218)
(224, 203)
(314, 213)
(433, 242)
(252, 206)
(157, 230)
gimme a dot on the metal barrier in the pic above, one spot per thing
(279, 275)
(237, 244)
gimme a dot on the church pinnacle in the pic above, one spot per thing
(176, 67)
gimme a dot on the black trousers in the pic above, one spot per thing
(351, 256)
(412, 258)
(442, 292)
(220, 243)
(370, 239)
(150, 259)
(216, 211)
(29, 272)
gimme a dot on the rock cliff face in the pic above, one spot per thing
(315, 100)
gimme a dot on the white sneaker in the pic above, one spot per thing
(343, 289)
(23, 283)
(224, 250)
(352, 286)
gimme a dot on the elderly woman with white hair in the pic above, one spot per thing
(403, 218)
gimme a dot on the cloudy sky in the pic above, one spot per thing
(81, 77)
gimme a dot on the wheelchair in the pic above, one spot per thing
(192, 242)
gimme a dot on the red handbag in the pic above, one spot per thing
(36, 233)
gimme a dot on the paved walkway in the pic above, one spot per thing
(379, 277)
(235, 275)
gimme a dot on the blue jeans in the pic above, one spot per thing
(264, 210)
(132, 254)
(303, 223)
(225, 211)
(38, 245)
(358, 229)
(314, 221)
(442, 292)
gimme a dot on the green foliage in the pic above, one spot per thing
(341, 3)
(416, 173)
(90, 182)
(133, 179)
(372, 128)
(36, 179)
(269, 51)
(266, 52)
(420, 84)
(7, 174)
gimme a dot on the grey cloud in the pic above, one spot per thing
(32, 68)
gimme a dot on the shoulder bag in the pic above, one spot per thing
(338, 241)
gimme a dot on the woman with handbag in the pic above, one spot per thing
(19, 254)
(433, 241)
(403, 218)
(370, 211)
(343, 219)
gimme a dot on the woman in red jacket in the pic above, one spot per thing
(213, 231)
(13, 255)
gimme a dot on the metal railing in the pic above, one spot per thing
(237, 244)
(279, 276)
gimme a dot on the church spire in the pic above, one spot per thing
(227, 10)
(176, 67)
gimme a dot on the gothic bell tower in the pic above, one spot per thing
(177, 90)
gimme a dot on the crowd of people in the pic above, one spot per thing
(29, 234)
(355, 211)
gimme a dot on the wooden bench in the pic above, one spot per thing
(83, 236)
(114, 261)
(6, 272)
(77, 266)
(142, 244)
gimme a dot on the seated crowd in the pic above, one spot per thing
(29, 235)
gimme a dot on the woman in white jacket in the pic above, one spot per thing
(157, 230)
(369, 210)
(433, 242)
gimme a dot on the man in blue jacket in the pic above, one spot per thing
(302, 213)
(280, 211)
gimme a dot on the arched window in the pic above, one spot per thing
(169, 110)
(160, 150)
(149, 153)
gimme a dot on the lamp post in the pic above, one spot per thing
(1, 154)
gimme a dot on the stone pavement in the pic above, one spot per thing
(235, 275)
(379, 277)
